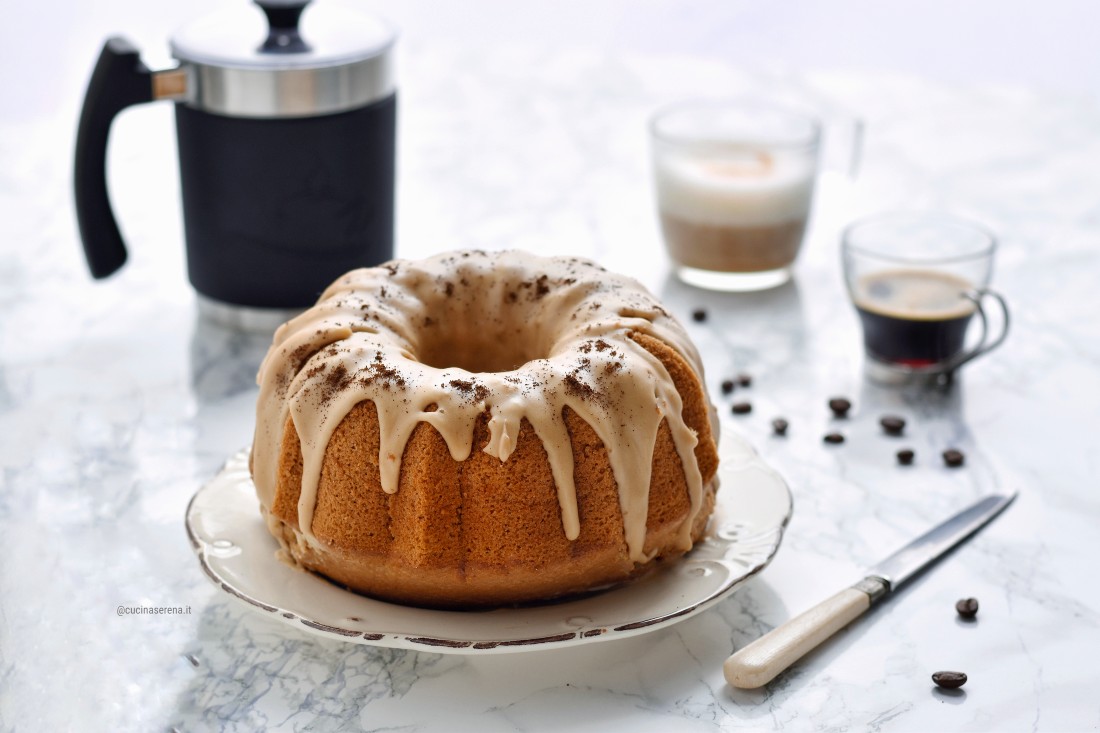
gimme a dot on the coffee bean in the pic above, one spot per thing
(779, 425)
(699, 315)
(741, 408)
(745, 380)
(834, 438)
(905, 457)
(892, 424)
(953, 458)
(967, 607)
(949, 680)
(727, 386)
(840, 406)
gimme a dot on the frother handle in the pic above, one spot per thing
(119, 80)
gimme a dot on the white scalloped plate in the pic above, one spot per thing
(237, 553)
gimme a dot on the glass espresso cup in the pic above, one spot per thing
(734, 184)
(917, 281)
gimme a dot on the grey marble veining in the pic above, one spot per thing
(117, 402)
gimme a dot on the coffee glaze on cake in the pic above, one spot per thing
(483, 428)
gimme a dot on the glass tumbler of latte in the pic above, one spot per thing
(734, 184)
(917, 280)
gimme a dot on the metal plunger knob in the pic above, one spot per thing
(282, 20)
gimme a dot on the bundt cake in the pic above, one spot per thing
(480, 428)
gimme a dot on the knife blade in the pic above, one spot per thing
(758, 663)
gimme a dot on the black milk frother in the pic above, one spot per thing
(286, 134)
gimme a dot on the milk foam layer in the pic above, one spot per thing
(755, 189)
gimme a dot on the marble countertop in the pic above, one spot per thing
(117, 402)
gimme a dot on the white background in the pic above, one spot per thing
(49, 46)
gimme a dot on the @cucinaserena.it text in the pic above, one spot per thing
(124, 610)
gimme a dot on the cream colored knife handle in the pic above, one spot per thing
(761, 661)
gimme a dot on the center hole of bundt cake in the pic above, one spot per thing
(478, 343)
(477, 350)
(485, 319)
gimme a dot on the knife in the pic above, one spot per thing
(758, 663)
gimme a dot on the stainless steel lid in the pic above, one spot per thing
(280, 58)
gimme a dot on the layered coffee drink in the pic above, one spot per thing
(913, 317)
(743, 212)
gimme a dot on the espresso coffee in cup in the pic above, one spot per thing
(914, 317)
(917, 280)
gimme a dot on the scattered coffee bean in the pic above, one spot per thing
(834, 438)
(892, 424)
(905, 457)
(745, 380)
(741, 408)
(699, 315)
(840, 406)
(967, 607)
(779, 425)
(949, 680)
(953, 458)
(727, 386)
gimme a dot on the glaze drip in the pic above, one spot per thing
(447, 339)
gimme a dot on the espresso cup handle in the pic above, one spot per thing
(984, 346)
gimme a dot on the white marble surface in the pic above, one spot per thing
(116, 403)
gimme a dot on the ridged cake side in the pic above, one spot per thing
(482, 531)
